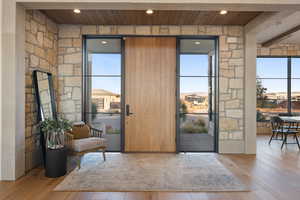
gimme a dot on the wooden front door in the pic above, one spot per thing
(150, 85)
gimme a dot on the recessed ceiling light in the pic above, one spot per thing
(197, 42)
(77, 11)
(149, 12)
(223, 12)
(103, 42)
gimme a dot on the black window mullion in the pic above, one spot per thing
(289, 84)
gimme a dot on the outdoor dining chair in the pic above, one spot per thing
(279, 127)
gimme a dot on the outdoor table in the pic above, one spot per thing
(290, 119)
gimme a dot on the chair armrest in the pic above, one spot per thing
(96, 132)
(68, 140)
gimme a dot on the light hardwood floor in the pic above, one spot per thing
(272, 174)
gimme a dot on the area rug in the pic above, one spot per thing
(151, 172)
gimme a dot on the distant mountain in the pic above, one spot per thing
(194, 93)
(282, 93)
(101, 92)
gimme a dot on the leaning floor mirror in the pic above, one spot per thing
(46, 106)
(44, 95)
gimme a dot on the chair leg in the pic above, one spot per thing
(273, 133)
(284, 141)
(103, 153)
(79, 162)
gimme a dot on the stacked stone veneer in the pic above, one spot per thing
(41, 53)
(280, 49)
(231, 67)
(70, 71)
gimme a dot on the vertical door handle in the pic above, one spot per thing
(128, 113)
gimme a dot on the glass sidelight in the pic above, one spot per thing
(103, 91)
(196, 83)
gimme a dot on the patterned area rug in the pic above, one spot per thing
(151, 172)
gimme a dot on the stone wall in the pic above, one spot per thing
(263, 128)
(231, 67)
(41, 53)
(70, 71)
(279, 50)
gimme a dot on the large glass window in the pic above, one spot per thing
(103, 88)
(196, 91)
(277, 86)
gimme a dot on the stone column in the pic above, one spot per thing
(250, 92)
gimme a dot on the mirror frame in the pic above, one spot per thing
(38, 101)
(37, 94)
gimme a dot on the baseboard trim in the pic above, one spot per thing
(232, 146)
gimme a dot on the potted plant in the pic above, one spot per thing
(56, 154)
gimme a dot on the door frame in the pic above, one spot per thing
(216, 90)
(177, 92)
(84, 82)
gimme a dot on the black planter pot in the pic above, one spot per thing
(56, 162)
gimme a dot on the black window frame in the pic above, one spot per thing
(215, 77)
(86, 74)
(214, 114)
(288, 78)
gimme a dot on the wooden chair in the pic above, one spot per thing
(90, 140)
(280, 128)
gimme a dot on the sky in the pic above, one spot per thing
(277, 68)
(193, 65)
(190, 65)
(197, 65)
(107, 64)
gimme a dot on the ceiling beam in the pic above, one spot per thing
(265, 20)
(280, 37)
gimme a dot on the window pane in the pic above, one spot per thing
(295, 67)
(196, 133)
(104, 56)
(106, 94)
(105, 64)
(111, 124)
(197, 63)
(194, 65)
(103, 86)
(194, 94)
(271, 96)
(295, 89)
(271, 67)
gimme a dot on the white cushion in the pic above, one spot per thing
(80, 123)
(85, 144)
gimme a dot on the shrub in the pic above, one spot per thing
(112, 131)
(194, 127)
(259, 116)
(200, 122)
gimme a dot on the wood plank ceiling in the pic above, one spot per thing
(161, 17)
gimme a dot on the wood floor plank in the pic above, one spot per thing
(273, 174)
